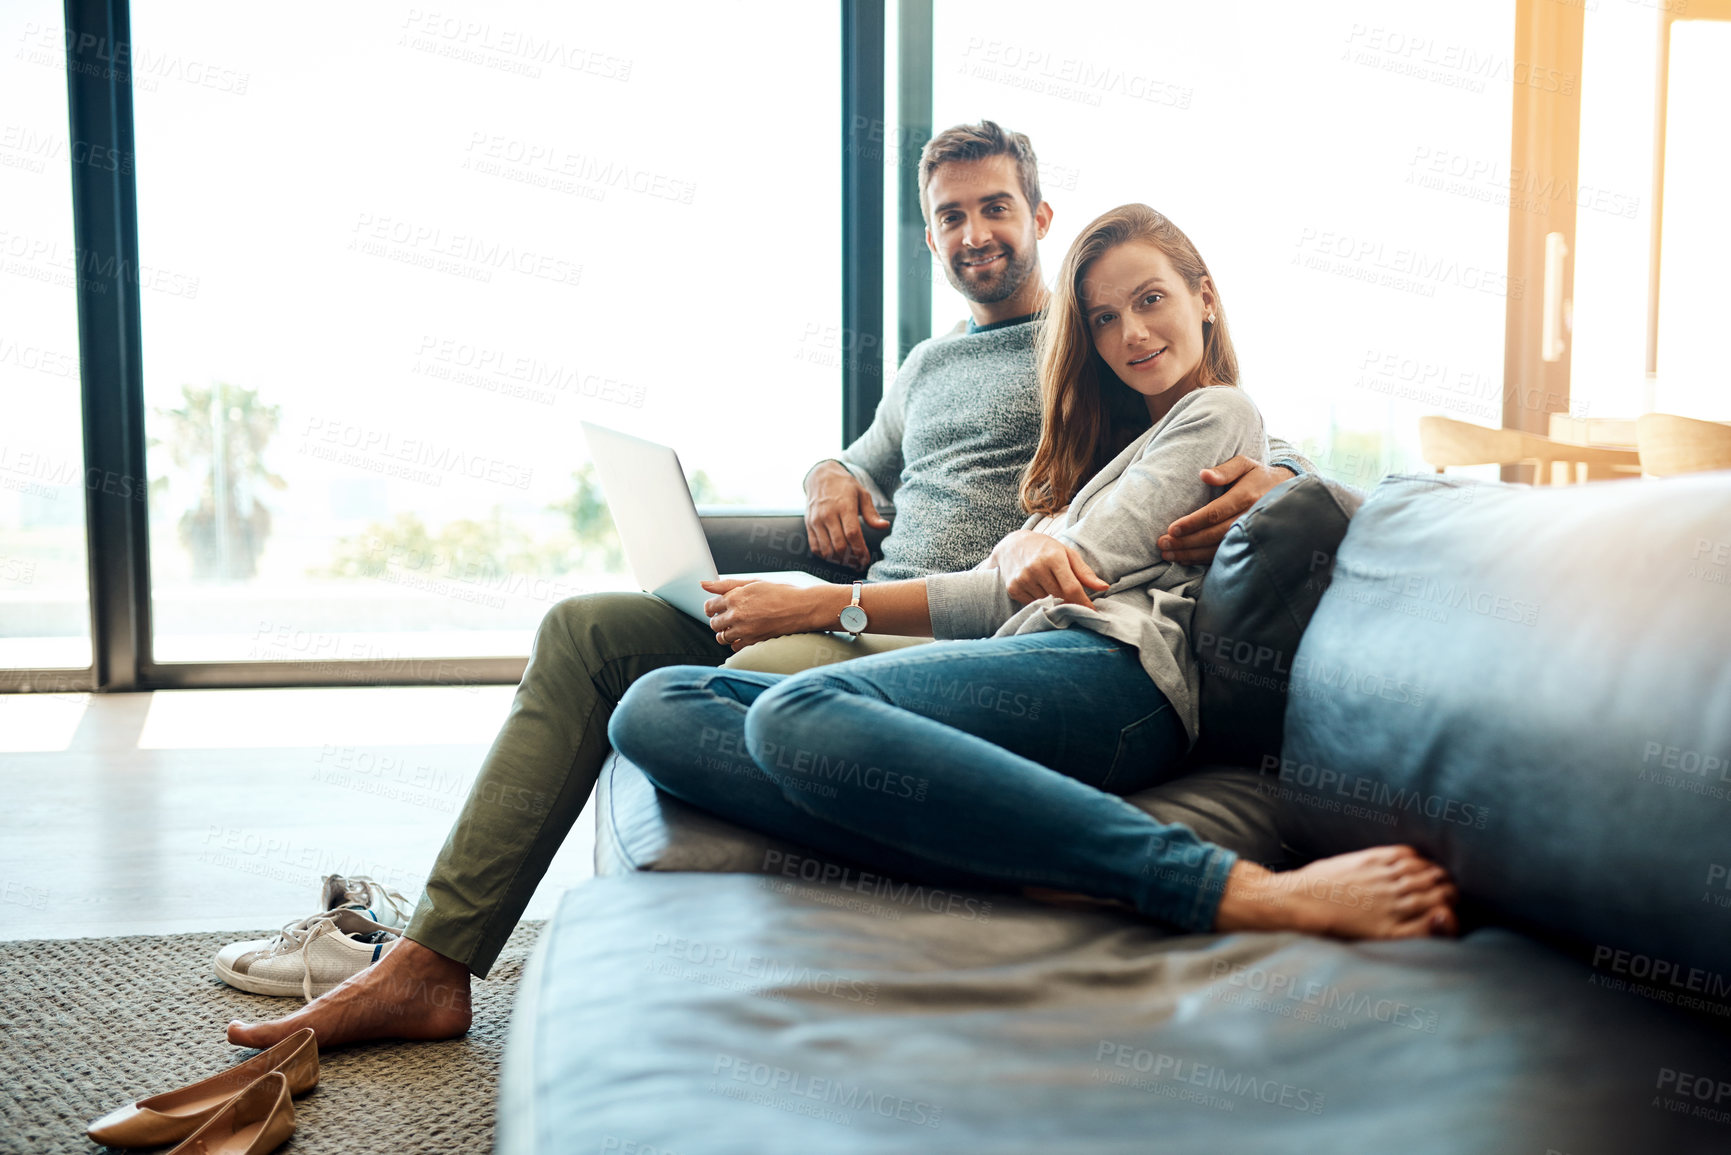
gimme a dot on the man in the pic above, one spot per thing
(962, 418)
(948, 444)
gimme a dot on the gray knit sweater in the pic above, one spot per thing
(947, 448)
(948, 445)
(1113, 523)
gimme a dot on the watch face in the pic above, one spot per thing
(853, 619)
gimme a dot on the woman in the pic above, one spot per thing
(998, 761)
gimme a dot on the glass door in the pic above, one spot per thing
(1652, 236)
(396, 255)
(44, 566)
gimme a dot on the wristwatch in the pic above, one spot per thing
(853, 618)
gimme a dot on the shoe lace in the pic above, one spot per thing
(300, 935)
(364, 890)
(297, 933)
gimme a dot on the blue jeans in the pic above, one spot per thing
(995, 761)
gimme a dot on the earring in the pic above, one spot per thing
(1209, 318)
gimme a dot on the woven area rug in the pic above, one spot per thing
(89, 1024)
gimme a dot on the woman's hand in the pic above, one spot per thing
(1036, 565)
(744, 612)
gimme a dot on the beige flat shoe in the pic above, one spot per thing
(259, 1119)
(173, 1115)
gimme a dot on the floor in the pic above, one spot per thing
(212, 810)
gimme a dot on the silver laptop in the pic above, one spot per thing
(657, 520)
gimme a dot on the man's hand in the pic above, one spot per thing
(744, 612)
(1037, 565)
(1194, 538)
(834, 503)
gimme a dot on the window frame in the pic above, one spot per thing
(110, 344)
(105, 227)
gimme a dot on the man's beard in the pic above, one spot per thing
(1012, 275)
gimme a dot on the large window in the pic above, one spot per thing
(386, 259)
(44, 583)
(1615, 200)
(1338, 164)
(396, 254)
(1694, 295)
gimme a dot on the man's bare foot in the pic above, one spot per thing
(1383, 892)
(413, 992)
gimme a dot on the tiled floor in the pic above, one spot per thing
(193, 810)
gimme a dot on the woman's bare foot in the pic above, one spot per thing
(413, 992)
(1383, 892)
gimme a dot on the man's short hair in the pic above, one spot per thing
(977, 142)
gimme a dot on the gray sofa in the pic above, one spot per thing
(717, 991)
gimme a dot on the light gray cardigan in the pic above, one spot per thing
(1114, 523)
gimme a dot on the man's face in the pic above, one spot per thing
(982, 229)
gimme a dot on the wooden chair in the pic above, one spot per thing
(1670, 444)
(1447, 443)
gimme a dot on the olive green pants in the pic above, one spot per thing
(542, 767)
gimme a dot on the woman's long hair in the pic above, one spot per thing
(1087, 415)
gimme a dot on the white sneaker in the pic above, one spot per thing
(309, 957)
(360, 893)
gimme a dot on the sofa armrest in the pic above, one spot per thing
(747, 540)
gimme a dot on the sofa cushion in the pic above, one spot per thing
(1533, 687)
(1263, 586)
(639, 827)
(721, 1013)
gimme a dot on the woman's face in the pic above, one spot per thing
(1145, 321)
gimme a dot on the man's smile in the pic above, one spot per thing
(982, 262)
